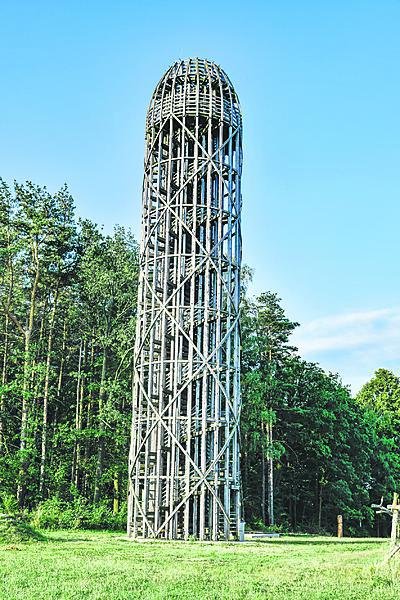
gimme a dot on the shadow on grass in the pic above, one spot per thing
(70, 540)
(295, 540)
(70, 535)
(319, 542)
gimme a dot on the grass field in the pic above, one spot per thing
(105, 566)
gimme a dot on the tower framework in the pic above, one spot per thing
(184, 474)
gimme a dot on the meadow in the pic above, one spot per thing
(105, 566)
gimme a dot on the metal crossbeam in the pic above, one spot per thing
(184, 476)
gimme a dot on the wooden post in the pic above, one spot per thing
(395, 519)
(340, 526)
(116, 493)
(393, 510)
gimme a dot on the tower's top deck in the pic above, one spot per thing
(195, 87)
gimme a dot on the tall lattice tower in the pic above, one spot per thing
(184, 475)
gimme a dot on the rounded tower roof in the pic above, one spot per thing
(195, 87)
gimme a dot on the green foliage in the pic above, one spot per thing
(68, 297)
(67, 314)
(331, 455)
(77, 514)
(380, 399)
(15, 529)
(8, 504)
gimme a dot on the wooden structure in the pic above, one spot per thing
(392, 510)
(184, 478)
(340, 526)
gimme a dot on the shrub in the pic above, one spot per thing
(77, 514)
(8, 503)
(47, 514)
(14, 529)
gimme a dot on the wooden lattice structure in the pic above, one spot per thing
(184, 476)
(393, 511)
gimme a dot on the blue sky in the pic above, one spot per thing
(320, 92)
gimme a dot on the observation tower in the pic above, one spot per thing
(184, 473)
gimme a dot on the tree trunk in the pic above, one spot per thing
(245, 463)
(3, 383)
(24, 423)
(62, 361)
(6, 343)
(46, 396)
(77, 403)
(100, 446)
(116, 493)
(263, 478)
(270, 477)
(88, 413)
(25, 391)
(78, 418)
(320, 507)
(26, 374)
(395, 520)
(58, 394)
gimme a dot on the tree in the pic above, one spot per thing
(325, 466)
(67, 308)
(68, 297)
(265, 334)
(380, 399)
(109, 272)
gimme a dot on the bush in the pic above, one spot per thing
(47, 514)
(77, 514)
(14, 529)
(259, 525)
(8, 503)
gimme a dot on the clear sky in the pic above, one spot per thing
(320, 92)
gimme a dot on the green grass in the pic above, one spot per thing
(104, 566)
